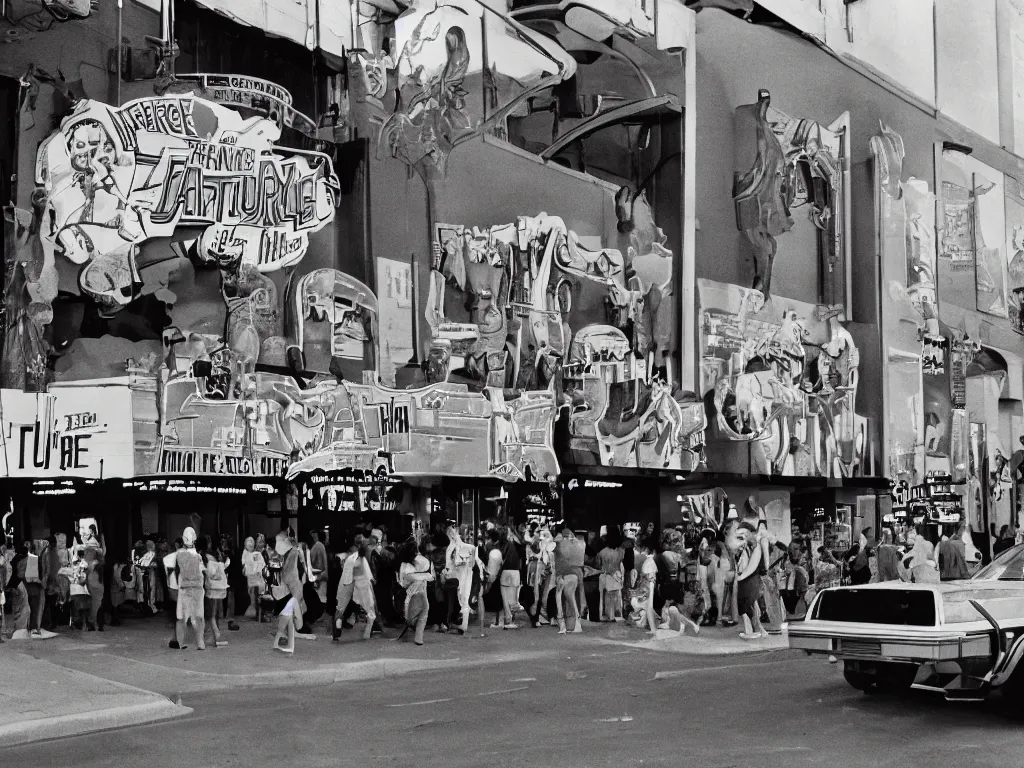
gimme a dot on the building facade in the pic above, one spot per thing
(619, 263)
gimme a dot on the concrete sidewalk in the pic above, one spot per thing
(137, 654)
(40, 700)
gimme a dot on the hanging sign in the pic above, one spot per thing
(261, 96)
(117, 177)
(73, 432)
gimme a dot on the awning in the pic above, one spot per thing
(324, 24)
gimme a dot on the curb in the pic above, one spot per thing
(79, 724)
(353, 671)
(698, 648)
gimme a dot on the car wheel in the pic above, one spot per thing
(883, 677)
(859, 680)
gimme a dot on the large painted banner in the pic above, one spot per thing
(69, 432)
(116, 177)
(781, 375)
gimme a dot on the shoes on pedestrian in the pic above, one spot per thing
(418, 642)
(43, 634)
(233, 627)
(221, 643)
(512, 625)
(282, 649)
(90, 628)
(750, 636)
(618, 620)
(305, 635)
(173, 645)
(561, 626)
(578, 629)
(497, 626)
(20, 634)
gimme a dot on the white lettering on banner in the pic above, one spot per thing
(197, 461)
(74, 432)
(394, 419)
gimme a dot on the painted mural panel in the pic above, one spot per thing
(69, 432)
(527, 305)
(905, 220)
(990, 244)
(395, 289)
(794, 193)
(781, 375)
(197, 413)
(132, 205)
(973, 233)
(423, 67)
(906, 417)
(935, 368)
(1015, 251)
(438, 430)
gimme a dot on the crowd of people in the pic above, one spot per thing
(676, 580)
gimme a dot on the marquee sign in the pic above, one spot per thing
(117, 177)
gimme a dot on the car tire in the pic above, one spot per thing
(859, 680)
(883, 677)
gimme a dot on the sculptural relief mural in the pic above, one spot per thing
(1015, 252)
(783, 376)
(797, 179)
(423, 68)
(115, 184)
(526, 305)
(214, 417)
(916, 364)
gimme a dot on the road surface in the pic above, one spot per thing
(588, 709)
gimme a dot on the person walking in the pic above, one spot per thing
(190, 569)
(356, 586)
(461, 562)
(888, 557)
(511, 579)
(952, 557)
(609, 560)
(216, 592)
(252, 568)
(570, 554)
(94, 583)
(20, 612)
(318, 565)
(414, 573)
(492, 579)
(35, 578)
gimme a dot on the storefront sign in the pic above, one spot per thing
(117, 177)
(575, 484)
(198, 486)
(196, 461)
(268, 99)
(72, 432)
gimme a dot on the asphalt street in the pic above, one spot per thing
(593, 708)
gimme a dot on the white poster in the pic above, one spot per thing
(394, 299)
(71, 432)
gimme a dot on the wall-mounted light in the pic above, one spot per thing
(952, 146)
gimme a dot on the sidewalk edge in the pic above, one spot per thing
(81, 723)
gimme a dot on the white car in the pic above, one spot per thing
(963, 638)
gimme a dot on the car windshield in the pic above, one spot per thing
(1008, 566)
